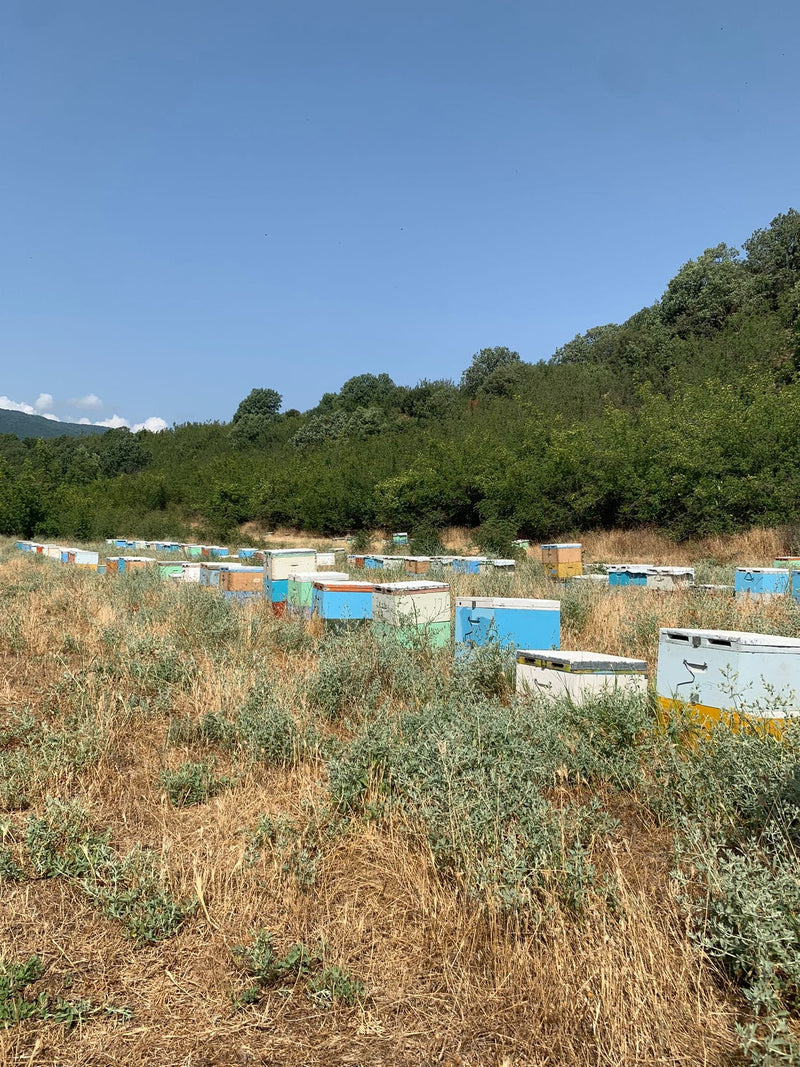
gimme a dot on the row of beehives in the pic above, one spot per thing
(198, 551)
(188, 568)
(717, 673)
(81, 557)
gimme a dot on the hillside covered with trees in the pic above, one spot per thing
(685, 416)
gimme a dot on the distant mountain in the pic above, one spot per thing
(21, 425)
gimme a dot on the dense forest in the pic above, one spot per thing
(685, 416)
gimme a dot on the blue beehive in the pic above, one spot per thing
(628, 573)
(468, 564)
(342, 601)
(515, 622)
(796, 585)
(279, 563)
(761, 581)
(247, 553)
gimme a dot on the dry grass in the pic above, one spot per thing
(448, 981)
(757, 547)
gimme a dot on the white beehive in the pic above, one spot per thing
(578, 674)
(728, 672)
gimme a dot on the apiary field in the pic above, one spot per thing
(228, 838)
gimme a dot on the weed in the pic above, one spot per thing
(192, 783)
(17, 1004)
(61, 844)
(325, 983)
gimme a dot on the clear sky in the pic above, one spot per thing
(199, 198)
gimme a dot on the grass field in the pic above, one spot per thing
(231, 839)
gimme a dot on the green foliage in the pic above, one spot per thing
(265, 730)
(61, 843)
(192, 783)
(324, 983)
(683, 416)
(16, 1003)
(485, 365)
(474, 780)
(259, 404)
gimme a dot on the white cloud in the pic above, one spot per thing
(49, 415)
(43, 402)
(90, 402)
(84, 421)
(114, 423)
(154, 424)
(12, 405)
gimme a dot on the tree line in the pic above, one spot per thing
(685, 416)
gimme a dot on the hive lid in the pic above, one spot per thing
(630, 568)
(411, 587)
(671, 570)
(290, 551)
(347, 586)
(580, 662)
(564, 544)
(520, 603)
(313, 576)
(762, 570)
(736, 640)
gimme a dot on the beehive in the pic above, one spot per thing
(242, 582)
(84, 557)
(300, 589)
(668, 579)
(400, 538)
(246, 553)
(169, 568)
(410, 611)
(502, 566)
(326, 560)
(341, 601)
(417, 564)
(125, 564)
(213, 551)
(787, 562)
(279, 563)
(513, 622)
(184, 570)
(628, 573)
(761, 582)
(577, 675)
(468, 564)
(562, 560)
(729, 674)
(210, 572)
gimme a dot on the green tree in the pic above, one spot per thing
(262, 403)
(705, 292)
(773, 255)
(485, 363)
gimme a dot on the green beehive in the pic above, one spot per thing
(412, 611)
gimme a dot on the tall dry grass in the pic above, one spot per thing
(448, 981)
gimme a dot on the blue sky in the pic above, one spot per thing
(201, 198)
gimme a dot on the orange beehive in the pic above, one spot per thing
(562, 560)
(242, 581)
